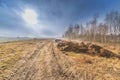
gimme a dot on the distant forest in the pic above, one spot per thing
(106, 32)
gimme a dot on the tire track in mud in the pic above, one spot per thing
(43, 71)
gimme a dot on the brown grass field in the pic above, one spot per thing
(42, 60)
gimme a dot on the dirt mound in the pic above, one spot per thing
(57, 40)
(72, 46)
(94, 49)
(88, 48)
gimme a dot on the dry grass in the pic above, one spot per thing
(95, 67)
(100, 68)
(49, 63)
(11, 53)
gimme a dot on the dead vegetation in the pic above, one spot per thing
(93, 67)
(88, 48)
(11, 53)
(42, 60)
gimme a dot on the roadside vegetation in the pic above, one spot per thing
(92, 61)
(106, 33)
(11, 53)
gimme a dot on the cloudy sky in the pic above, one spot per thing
(48, 18)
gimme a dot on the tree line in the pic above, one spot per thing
(107, 31)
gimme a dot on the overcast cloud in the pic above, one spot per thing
(53, 16)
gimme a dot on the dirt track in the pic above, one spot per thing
(46, 62)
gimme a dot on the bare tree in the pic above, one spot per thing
(105, 32)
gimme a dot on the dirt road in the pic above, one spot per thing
(46, 62)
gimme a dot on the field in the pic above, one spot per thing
(42, 60)
(8, 39)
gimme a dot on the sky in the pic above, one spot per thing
(48, 18)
